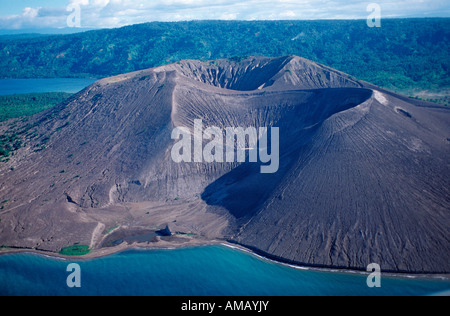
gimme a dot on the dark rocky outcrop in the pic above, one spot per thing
(165, 232)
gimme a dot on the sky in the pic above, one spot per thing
(93, 14)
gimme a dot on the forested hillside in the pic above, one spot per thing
(404, 54)
(12, 106)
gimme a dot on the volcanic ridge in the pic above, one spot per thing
(364, 174)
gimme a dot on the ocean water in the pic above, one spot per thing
(209, 270)
(22, 86)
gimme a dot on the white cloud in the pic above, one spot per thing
(287, 14)
(79, 2)
(34, 18)
(228, 16)
(116, 13)
(30, 13)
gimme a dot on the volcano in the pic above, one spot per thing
(363, 177)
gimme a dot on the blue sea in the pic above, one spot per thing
(22, 86)
(199, 271)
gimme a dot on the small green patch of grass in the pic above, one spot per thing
(75, 250)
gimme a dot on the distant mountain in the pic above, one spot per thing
(402, 54)
(43, 31)
(363, 173)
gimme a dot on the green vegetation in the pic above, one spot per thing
(18, 105)
(75, 250)
(9, 142)
(402, 54)
(19, 131)
(111, 229)
(435, 98)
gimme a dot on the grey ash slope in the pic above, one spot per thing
(364, 173)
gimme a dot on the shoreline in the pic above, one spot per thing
(108, 251)
(305, 267)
